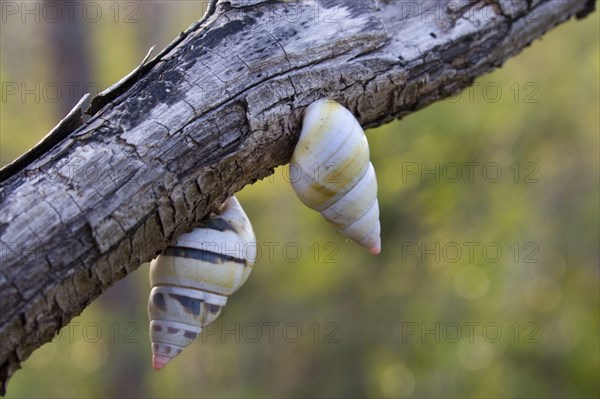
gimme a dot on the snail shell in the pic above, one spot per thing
(192, 279)
(335, 175)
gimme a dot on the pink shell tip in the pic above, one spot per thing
(375, 249)
(159, 361)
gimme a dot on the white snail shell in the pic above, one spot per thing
(192, 279)
(335, 175)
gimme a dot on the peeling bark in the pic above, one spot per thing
(218, 109)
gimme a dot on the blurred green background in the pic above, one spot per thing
(487, 285)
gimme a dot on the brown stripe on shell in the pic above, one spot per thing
(158, 300)
(190, 305)
(202, 255)
(214, 309)
(156, 327)
(190, 335)
(172, 330)
(218, 224)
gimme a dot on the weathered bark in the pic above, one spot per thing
(216, 110)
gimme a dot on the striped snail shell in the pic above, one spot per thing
(192, 279)
(335, 175)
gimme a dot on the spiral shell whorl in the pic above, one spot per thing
(331, 172)
(192, 279)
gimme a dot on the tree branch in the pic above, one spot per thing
(218, 109)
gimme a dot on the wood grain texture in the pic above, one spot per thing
(218, 109)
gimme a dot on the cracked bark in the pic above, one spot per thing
(218, 109)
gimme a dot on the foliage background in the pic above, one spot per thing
(388, 326)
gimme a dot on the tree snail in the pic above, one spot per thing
(192, 279)
(336, 176)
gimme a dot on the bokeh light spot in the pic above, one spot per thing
(471, 282)
(475, 355)
(543, 294)
(397, 380)
(87, 356)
